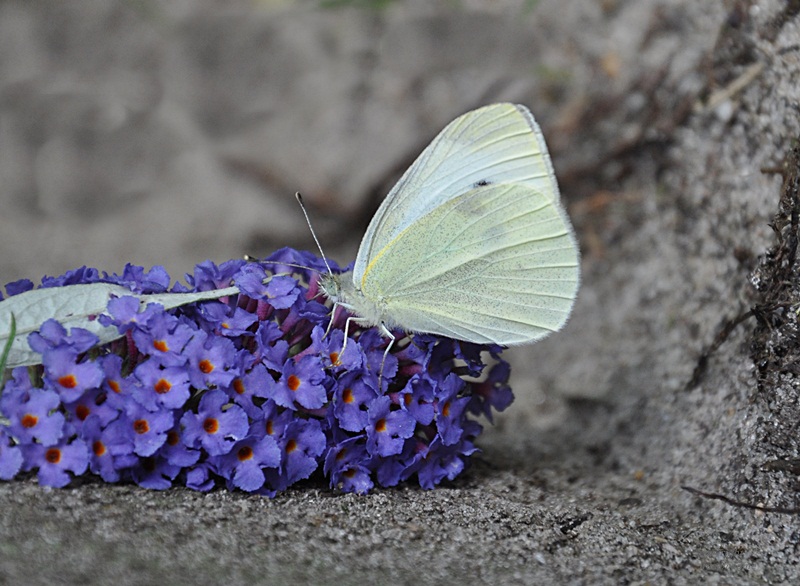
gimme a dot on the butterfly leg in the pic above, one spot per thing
(330, 322)
(386, 332)
(347, 329)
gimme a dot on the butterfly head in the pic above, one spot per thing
(331, 286)
(340, 290)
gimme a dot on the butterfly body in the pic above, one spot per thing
(341, 290)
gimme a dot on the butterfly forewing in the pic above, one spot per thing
(496, 144)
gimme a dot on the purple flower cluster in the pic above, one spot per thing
(246, 389)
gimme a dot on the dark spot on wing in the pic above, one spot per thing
(481, 183)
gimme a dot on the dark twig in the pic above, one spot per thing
(725, 331)
(741, 504)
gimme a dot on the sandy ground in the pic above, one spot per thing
(168, 133)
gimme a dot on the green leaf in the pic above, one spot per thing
(6, 349)
(74, 306)
(374, 4)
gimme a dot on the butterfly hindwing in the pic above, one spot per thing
(498, 263)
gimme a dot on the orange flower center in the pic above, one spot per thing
(68, 381)
(162, 386)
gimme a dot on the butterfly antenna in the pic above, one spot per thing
(251, 258)
(314, 234)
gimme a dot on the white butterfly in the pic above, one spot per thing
(472, 243)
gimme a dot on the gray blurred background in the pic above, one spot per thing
(172, 132)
